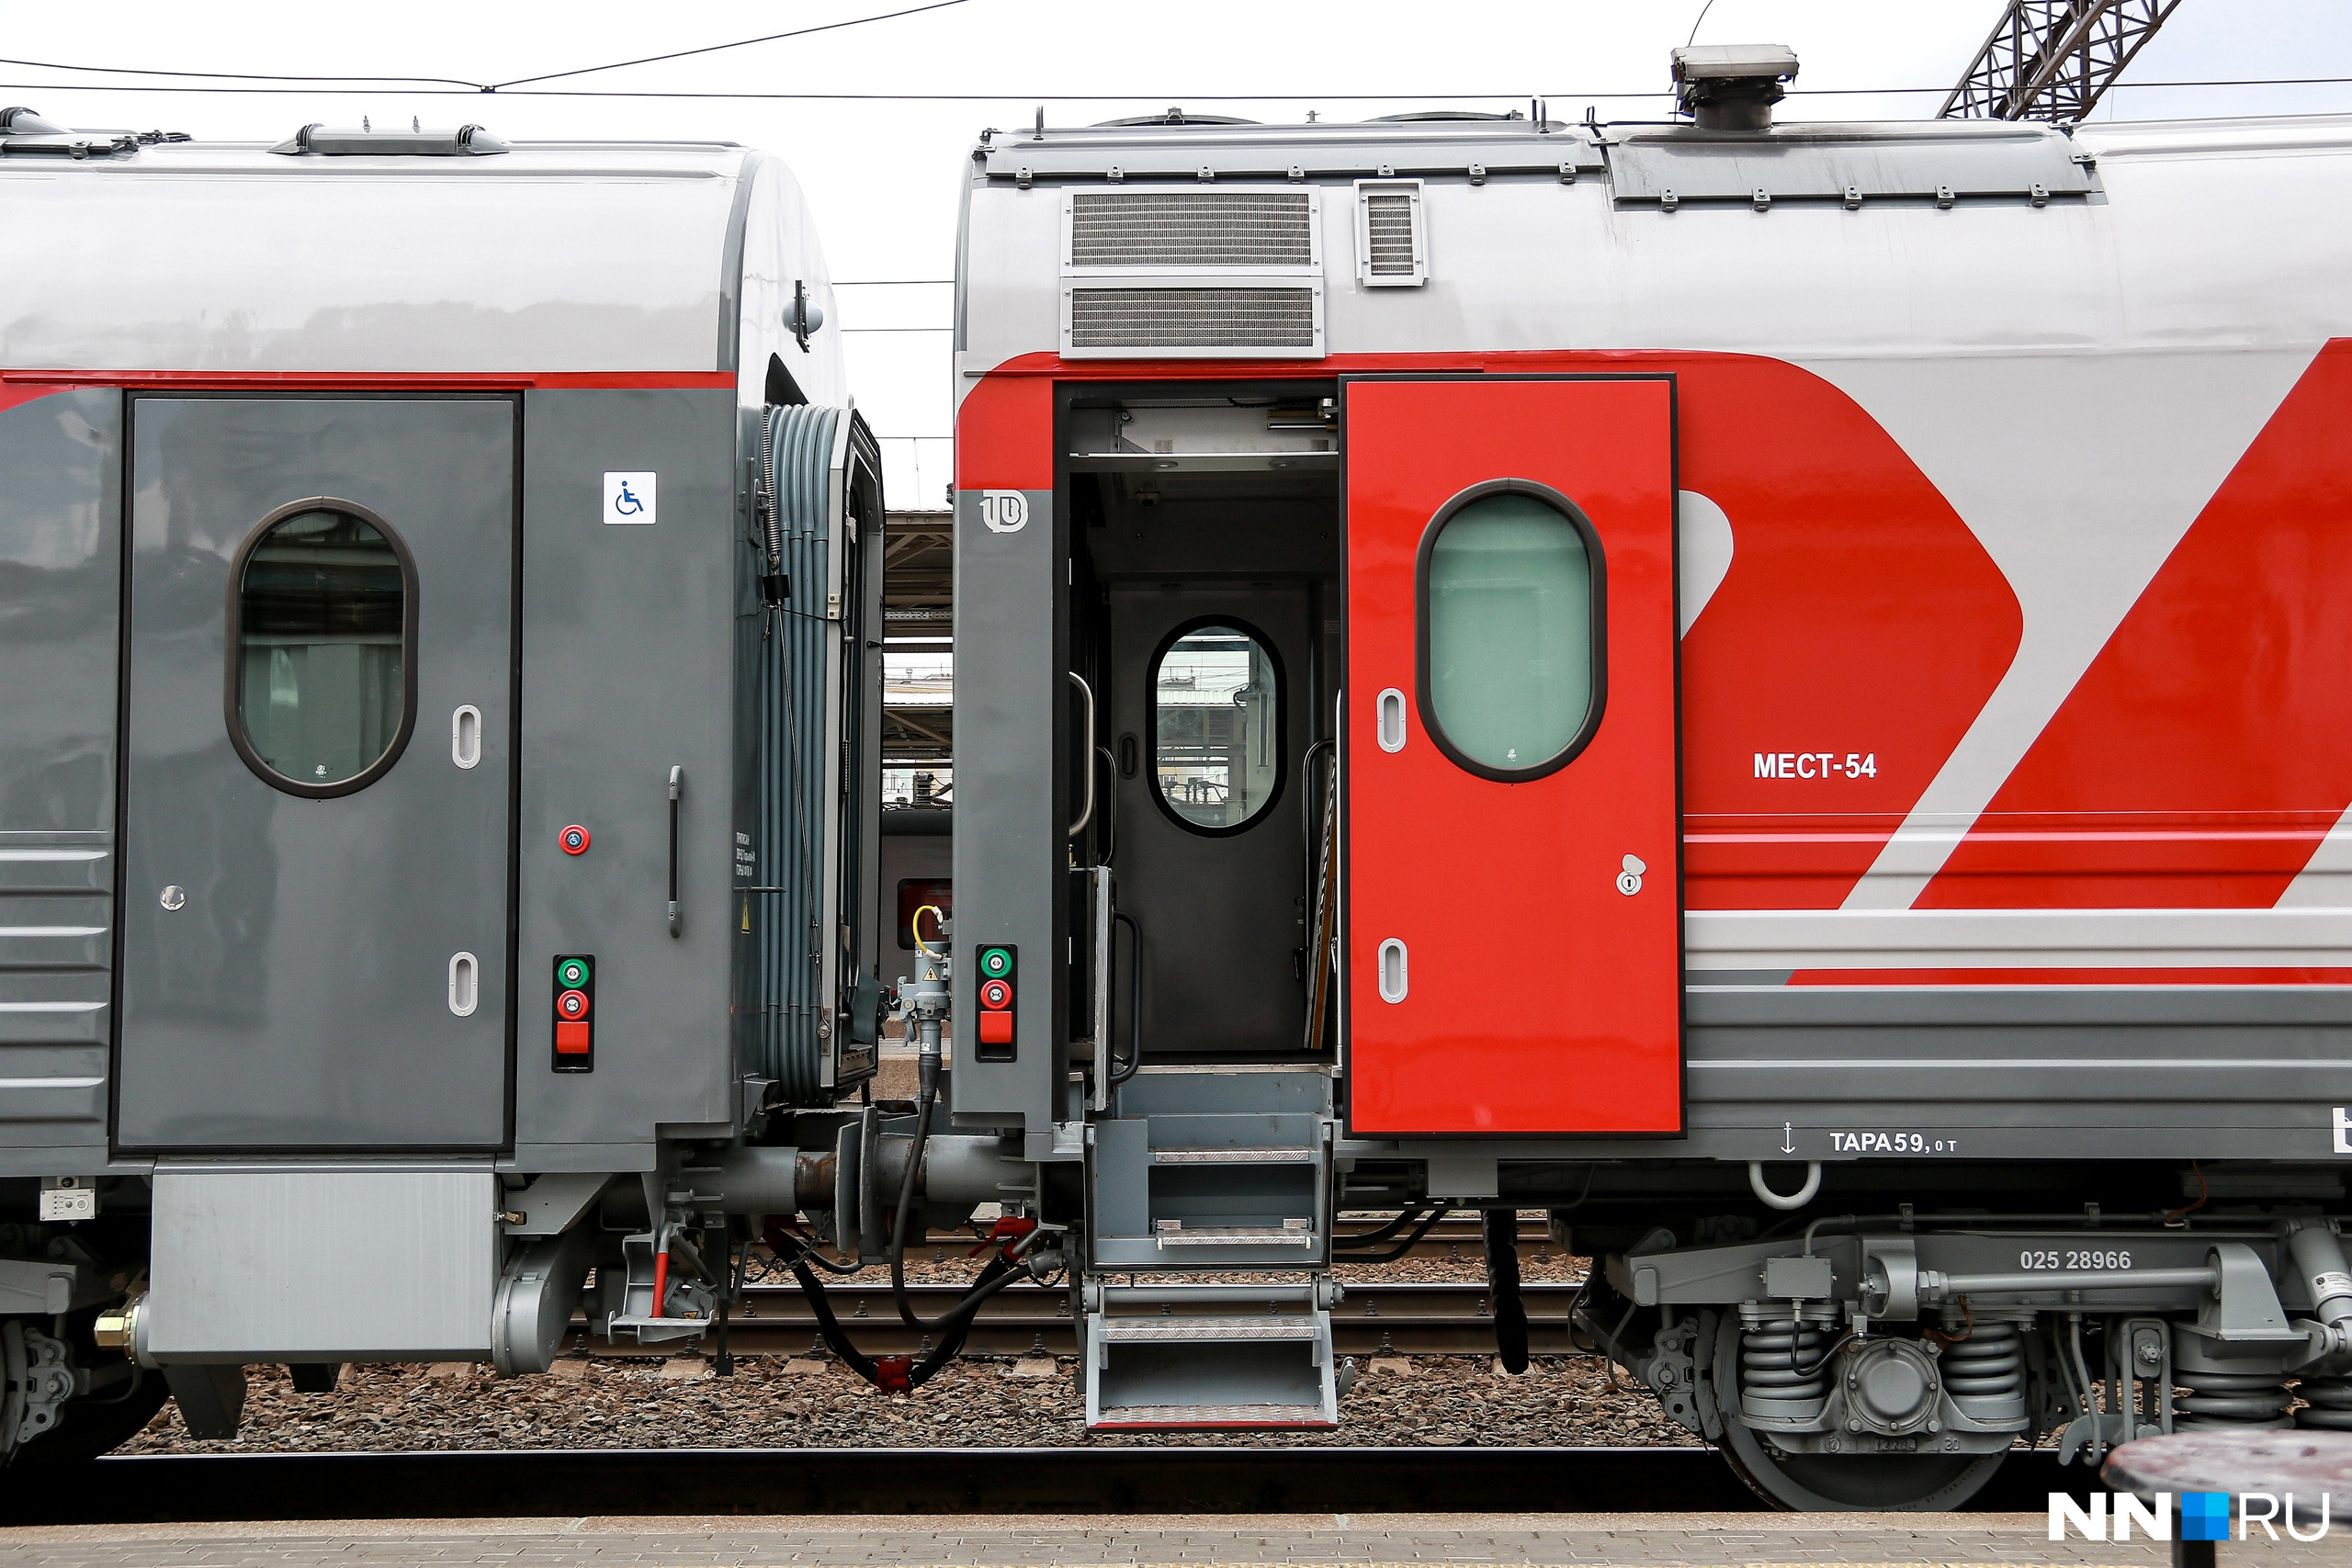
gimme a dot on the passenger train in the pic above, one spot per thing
(1771, 690)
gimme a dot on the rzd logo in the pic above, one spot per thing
(2204, 1516)
(1004, 511)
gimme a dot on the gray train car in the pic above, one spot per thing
(1768, 689)
(440, 625)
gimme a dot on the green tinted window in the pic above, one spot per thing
(1217, 722)
(322, 612)
(1510, 632)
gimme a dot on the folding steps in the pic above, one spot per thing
(1190, 1356)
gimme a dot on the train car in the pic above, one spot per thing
(440, 624)
(1773, 690)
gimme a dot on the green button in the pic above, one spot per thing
(996, 961)
(572, 973)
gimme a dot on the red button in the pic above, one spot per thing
(574, 839)
(572, 1005)
(572, 1039)
(996, 994)
(996, 1028)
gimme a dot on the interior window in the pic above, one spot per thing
(1217, 727)
(321, 655)
(1510, 635)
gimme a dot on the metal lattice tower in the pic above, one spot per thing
(2052, 59)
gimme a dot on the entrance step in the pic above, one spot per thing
(1176, 1356)
(1224, 1190)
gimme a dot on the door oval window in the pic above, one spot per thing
(322, 619)
(1511, 612)
(1216, 726)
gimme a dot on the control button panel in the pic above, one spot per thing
(575, 1014)
(1000, 983)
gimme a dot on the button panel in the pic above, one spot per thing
(575, 1014)
(999, 993)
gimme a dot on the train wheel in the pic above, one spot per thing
(1893, 1483)
(96, 1426)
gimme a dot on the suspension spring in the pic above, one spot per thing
(1985, 1372)
(2230, 1399)
(1783, 1357)
(2328, 1404)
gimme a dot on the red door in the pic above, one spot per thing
(1513, 855)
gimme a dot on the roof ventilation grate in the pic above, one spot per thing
(1240, 321)
(1193, 228)
(1391, 248)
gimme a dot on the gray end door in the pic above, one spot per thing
(316, 800)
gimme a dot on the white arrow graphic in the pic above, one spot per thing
(1788, 1138)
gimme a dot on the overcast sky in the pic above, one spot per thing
(881, 174)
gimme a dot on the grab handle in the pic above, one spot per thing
(1086, 812)
(677, 786)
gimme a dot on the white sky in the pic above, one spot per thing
(882, 176)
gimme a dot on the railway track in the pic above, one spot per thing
(1401, 1319)
(1096, 1479)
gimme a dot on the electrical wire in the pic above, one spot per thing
(739, 43)
(309, 85)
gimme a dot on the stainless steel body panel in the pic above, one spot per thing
(349, 1262)
(300, 996)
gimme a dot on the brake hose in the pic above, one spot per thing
(1406, 1246)
(886, 1373)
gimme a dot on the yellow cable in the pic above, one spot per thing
(917, 927)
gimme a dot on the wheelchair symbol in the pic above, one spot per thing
(628, 505)
(629, 496)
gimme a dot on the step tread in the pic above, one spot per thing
(1264, 1154)
(1138, 1416)
(1210, 1328)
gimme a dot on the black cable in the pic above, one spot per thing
(778, 1238)
(1392, 1255)
(1135, 998)
(739, 43)
(1500, 1227)
(1405, 1217)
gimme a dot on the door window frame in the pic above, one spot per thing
(1599, 588)
(232, 705)
(1152, 723)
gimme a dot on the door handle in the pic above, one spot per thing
(1392, 971)
(465, 736)
(1390, 720)
(465, 984)
(1086, 812)
(677, 788)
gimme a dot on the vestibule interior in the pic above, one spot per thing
(1206, 606)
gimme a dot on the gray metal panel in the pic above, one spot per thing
(628, 655)
(354, 1264)
(1011, 685)
(59, 580)
(300, 997)
(1826, 162)
(1333, 150)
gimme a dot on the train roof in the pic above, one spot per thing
(533, 258)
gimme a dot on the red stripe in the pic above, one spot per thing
(2312, 977)
(363, 380)
(2208, 746)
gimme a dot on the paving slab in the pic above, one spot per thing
(1340, 1540)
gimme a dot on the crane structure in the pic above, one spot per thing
(2052, 59)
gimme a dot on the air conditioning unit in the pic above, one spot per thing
(1193, 272)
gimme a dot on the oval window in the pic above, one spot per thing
(1216, 726)
(320, 673)
(1510, 632)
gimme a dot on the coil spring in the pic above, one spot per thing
(1988, 1364)
(2328, 1403)
(2230, 1399)
(1782, 1360)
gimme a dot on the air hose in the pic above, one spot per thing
(891, 1374)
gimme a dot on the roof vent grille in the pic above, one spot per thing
(1231, 321)
(1392, 251)
(1171, 228)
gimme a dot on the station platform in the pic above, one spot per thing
(1627, 1540)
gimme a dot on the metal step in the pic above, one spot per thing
(1299, 1155)
(1289, 1233)
(1166, 1357)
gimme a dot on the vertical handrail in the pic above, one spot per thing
(1087, 814)
(677, 786)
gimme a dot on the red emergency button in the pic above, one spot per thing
(996, 995)
(996, 1028)
(574, 839)
(571, 1039)
(571, 1006)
